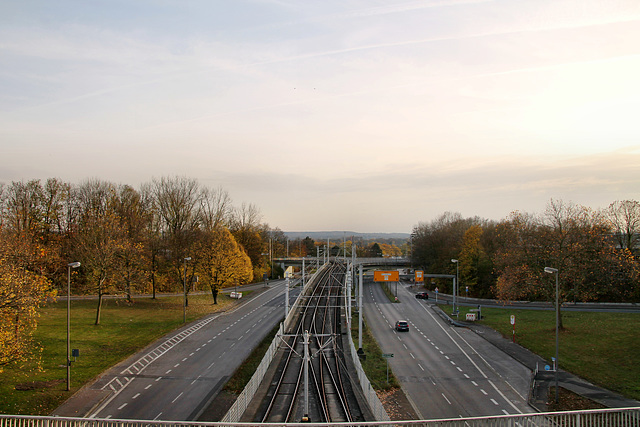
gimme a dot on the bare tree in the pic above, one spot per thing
(215, 208)
(99, 237)
(177, 201)
(624, 218)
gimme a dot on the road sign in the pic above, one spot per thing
(386, 276)
(419, 276)
(513, 319)
(387, 355)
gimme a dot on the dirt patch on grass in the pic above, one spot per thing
(397, 405)
(37, 385)
(570, 401)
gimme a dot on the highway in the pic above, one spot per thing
(176, 377)
(446, 371)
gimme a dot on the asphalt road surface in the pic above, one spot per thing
(178, 376)
(446, 371)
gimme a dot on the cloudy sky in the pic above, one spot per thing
(360, 115)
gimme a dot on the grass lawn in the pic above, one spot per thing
(124, 329)
(602, 348)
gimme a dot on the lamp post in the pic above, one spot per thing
(184, 288)
(69, 267)
(455, 287)
(551, 270)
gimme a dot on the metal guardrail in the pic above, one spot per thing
(619, 417)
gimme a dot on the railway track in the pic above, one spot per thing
(319, 389)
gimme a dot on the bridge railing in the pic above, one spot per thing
(618, 417)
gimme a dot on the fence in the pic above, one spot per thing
(625, 417)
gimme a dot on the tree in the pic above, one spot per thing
(131, 213)
(215, 208)
(24, 206)
(222, 262)
(624, 219)
(572, 239)
(22, 292)
(177, 203)
(309, 246)
(375, 251)
(251, 235)
(470, 256)
(99, 239)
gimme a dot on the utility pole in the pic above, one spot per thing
(360, 312)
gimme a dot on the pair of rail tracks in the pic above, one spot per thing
(311, 382)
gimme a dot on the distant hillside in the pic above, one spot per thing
(339, 235)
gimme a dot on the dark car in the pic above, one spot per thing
(422, 295)
(402, 326)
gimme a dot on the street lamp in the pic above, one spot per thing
(455, 287)
(69, 267)
(184, 288)
(551, 270)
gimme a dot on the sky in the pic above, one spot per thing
(358, 115)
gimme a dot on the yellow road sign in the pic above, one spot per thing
(386, 276)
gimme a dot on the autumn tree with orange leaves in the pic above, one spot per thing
(572, 239)
(22, 292)
(223, 263)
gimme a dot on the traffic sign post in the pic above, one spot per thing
(513, 322)
(387, 356)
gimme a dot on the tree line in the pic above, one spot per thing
(595, 252)
(130, 241)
